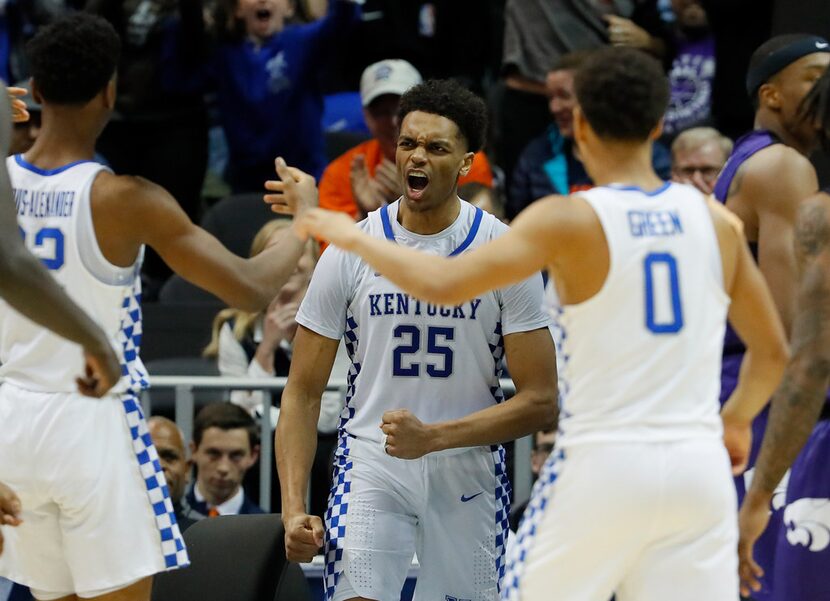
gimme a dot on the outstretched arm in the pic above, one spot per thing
(797, 403)
(134, 212)
(26, 286)
(524, 250)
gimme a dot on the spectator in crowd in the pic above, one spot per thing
(543, 442)
(225, 446)
(697, 157)
(19, 20)
(550, 163)
(487, 198)
(265, 76)
(537, 33)
(258, 345)
(365, 177)
(169, 443)
(693, 69)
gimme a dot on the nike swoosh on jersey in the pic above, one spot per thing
(465, 498)
(822, 45)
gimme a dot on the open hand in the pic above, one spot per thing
(10, 509)
(19, 112)
(752, 521)
(367, 193)
(294, 193)
(101, 371)
(303, 536)
(407, 437)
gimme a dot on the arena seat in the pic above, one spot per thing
(239, 557)
(235, 220)
(176, 329)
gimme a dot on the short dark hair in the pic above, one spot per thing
(815, 108)
(448, 98)
(73, 59)
(622, 92)
(225, 416)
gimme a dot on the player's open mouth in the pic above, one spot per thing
(416, 183)
(263, 15)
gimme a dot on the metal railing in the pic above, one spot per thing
(184, 386)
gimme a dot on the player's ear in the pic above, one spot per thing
(466, 164)
(769, 95)
(109, 94)
(657, 131)
(580, 125)
(34, 90)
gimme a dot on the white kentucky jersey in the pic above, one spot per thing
(640, 360)
(55, 219)
(440, 362)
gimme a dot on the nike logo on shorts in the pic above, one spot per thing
(822, 45)
(465, 498)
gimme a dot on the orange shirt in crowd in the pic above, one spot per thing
(336, 188)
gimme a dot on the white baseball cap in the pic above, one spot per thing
(391, 76)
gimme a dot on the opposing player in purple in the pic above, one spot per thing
(763, 182)
(798, 431)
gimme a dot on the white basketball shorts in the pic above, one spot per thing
(96, 511)
(644, 521)
(450, 509)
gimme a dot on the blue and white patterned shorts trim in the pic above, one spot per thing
(542, 492)
(172, 543)
(503, 491)
(335, 516)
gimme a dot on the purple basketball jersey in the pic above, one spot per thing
(733, 354)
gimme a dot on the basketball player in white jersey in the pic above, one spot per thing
(97, 520)
(418, 466)
(636, 499)
(26, 286)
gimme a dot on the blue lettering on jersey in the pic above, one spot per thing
(44, 203)
(396, 303)
(654, 223)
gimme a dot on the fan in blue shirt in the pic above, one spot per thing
(265, 76)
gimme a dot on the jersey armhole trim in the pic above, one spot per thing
(90, 253)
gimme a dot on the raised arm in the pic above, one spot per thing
(27, 286)
(133, 211)
(296, 439)
(524, 250)
(797, 403)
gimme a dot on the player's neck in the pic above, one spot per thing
(430, 221)
(60, 143)
(622, 163)
(770, 122)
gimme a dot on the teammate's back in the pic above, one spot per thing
(55, 219)
(639, 360)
